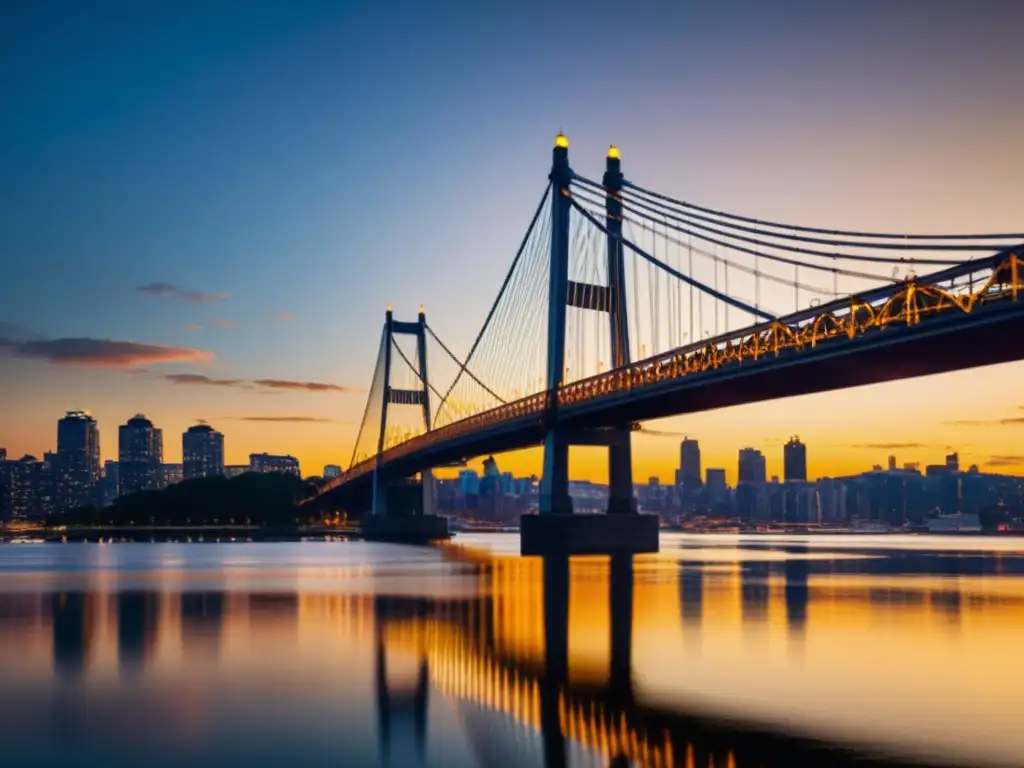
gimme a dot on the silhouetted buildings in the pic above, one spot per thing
(331, 471)
(202, 452)
(717, 488)
(688, 477)
(268, 462)
(794, 458)
(140, 455)
(752, 468)
(77, 462)
(26, 488)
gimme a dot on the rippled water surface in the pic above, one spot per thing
(720, 651)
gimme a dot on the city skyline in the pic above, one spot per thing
(197, 277)
(772, 460)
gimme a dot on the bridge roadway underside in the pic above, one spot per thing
(936, 345)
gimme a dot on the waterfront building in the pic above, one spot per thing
(140, 452)
(202, 451)
(268, 462)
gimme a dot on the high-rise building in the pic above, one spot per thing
(892, 463)
(953, 462)
(173, 473)
(794, 464)
(715, 483)
(331, 470)
(202, 452)
(109, 483)
(268, 462)
(469, 482)
(140, 456)
(25, 489)
(689, 463)
(77, 469)
(752, 468)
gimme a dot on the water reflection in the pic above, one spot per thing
(137, 623)
(74, 624)
(375, 655)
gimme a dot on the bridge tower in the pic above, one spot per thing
(556, 530)
(397, 511)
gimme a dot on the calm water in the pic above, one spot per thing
(719, 651)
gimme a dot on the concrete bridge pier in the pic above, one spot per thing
(404, 513)
(557, 530)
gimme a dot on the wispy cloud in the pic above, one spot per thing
(185, 294)
(284, 419)
(1005, 461)
(198, 379)
(100, 353)
(285, 317)
(269, 386)
(309, 386)
(890, 446)
(194, 328)
(660, 432)
(226, 324)
(1007, 422)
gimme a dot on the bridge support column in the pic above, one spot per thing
(554, 498)
(556, 531)
(620, 453)
(404, 514)
(429, 506)
(403, 511)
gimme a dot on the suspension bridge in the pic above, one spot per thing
(623, 304)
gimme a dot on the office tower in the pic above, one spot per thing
(331, 470)
(469, 482)
(202, 451)
(25, 489)
(715, 484)
(689, 463)
(268, 462)
(109, 483)
(752, 467)
(953, 462)
(173, 473)
(892, 463)
(140, 456)
(794, 456)
(77, 466)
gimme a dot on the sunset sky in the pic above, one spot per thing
(205, 207)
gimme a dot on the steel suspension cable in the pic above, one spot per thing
(689, 280)
(762, 254)
(879, 245)
(462, 366)
(501, 291)
(639, 208)
(797, 228)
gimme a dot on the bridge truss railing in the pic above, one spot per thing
(957, 290)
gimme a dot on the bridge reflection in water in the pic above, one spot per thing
(508, 653)
(721, 651)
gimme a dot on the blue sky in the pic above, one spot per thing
(313, 161)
